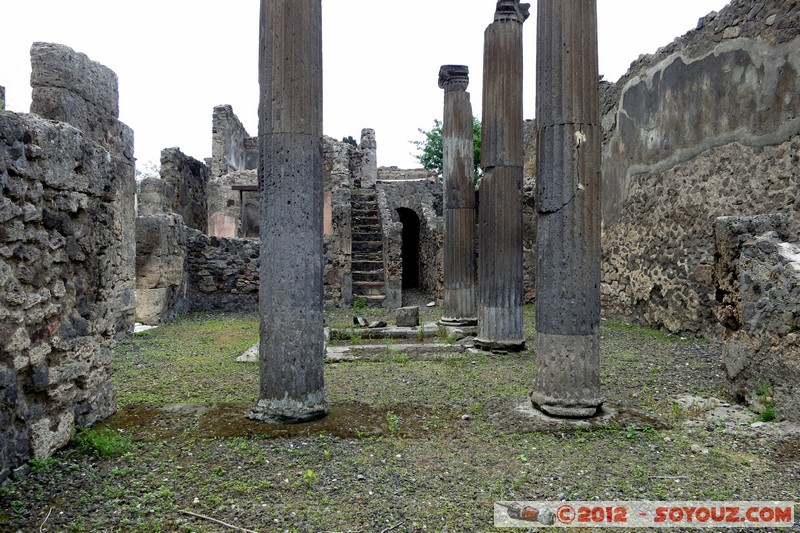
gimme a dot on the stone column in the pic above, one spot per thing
(567, 381)
(502, 158)
(369, 158)
(460, 306)
(291, 345)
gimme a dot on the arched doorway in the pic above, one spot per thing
(410, 247)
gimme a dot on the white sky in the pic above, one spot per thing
(177, 59)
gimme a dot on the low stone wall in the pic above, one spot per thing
(62, 269)
(223, 273)
(758, 289)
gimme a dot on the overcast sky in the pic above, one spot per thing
(177, 59)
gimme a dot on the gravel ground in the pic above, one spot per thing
(410, 444)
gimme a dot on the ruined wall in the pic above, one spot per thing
(186, 178)
(63, 266)
(161, 274)
(223, 273)
(758, 287)
(225, 203)
(423, 197)
(396, 173)
(705, 128)
(340, 166)
(230, 148)
(69, 87)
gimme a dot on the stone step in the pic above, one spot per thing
(367, 265)
(366, 226)
(362, 275)
(364, 236)
(363, 214)
(368, 288)
(367, 246)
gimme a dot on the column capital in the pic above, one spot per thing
(511, 10)
(453, 78)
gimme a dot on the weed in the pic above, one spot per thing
(218, 471)
(767, 414)
(421, 333)
(309, 478)
(522, 457)
(401, 358)
(393, 423)
(355, 338)
(39, 466)
(359, 304)
(102, 442)
(763, 389)
(476, 408)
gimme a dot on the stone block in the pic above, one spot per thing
(151, 305)
(407, 317)
(59, 66)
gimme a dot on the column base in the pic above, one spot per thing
(544, 405)
(289, 411)
(458, 322)
(509, 346)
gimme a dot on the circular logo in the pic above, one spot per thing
(565, 514)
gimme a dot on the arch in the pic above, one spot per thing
(410, 247)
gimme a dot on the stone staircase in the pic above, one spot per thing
(367, 247)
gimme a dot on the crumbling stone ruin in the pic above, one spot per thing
(758, 285)
(701, 145)
(66, 253)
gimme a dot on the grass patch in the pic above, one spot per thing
(102, 442)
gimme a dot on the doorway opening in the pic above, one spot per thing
(410, 247)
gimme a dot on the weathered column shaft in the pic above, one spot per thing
(290, 181)
(460, 268)
(502, 156)
(567, 379)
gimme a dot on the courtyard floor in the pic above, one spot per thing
(415, 440)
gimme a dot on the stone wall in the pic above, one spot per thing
(758, 291)
(706, 127)
(63, 267)
(186, 179)
(225, 203)
(423, 197)
(231, 147)
(161, 268)
(222, 273)
(396, 173)
(69, 87)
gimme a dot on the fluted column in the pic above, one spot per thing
(460, 305)
(291, 345)
(567, 381)
(500, 210)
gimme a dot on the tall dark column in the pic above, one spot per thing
(502, 158)
(290, 181)
(567, 379)
(459, 199)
